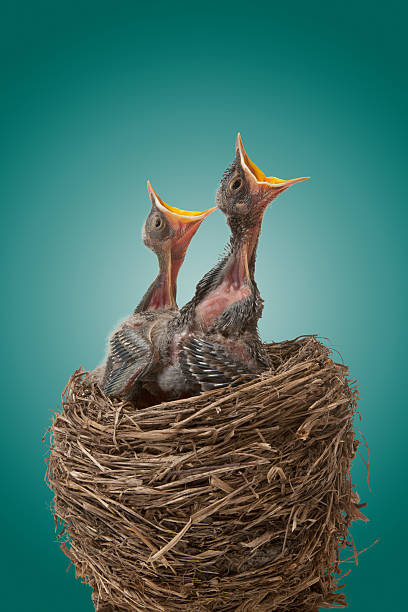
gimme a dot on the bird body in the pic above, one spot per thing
(220, 341)
(137, 353)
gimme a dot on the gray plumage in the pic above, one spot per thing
(130, 355)
(210, 365)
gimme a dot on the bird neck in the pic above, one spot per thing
(243, 247)
(228, 283)
(161, 295)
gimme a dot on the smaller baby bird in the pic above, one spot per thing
(168, 232)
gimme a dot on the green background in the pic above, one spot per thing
(96, 97)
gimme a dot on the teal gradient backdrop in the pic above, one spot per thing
(96, 97)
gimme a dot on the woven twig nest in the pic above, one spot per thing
(239, 499)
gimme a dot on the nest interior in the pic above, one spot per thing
(238, 499)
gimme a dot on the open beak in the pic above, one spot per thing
(175, 216)
(270, 185)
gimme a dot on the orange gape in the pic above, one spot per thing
(253, 172)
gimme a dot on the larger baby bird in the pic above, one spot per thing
(222, 342)
(167, 232)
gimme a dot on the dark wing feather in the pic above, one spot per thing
(209, 364)
(130, 356)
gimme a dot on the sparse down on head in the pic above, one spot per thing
(245, 191)
(170, 228)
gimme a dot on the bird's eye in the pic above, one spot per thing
(158, 222)
(235, 184)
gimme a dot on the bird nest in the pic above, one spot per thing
(238, 499)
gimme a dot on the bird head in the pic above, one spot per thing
(245, 191)
(169, 230)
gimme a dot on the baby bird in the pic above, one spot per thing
(167, 232)
(222, 341)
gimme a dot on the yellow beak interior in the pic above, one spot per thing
(260, 177)
(185, 216)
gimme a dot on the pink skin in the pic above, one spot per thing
(236, 284)
(233, 288)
